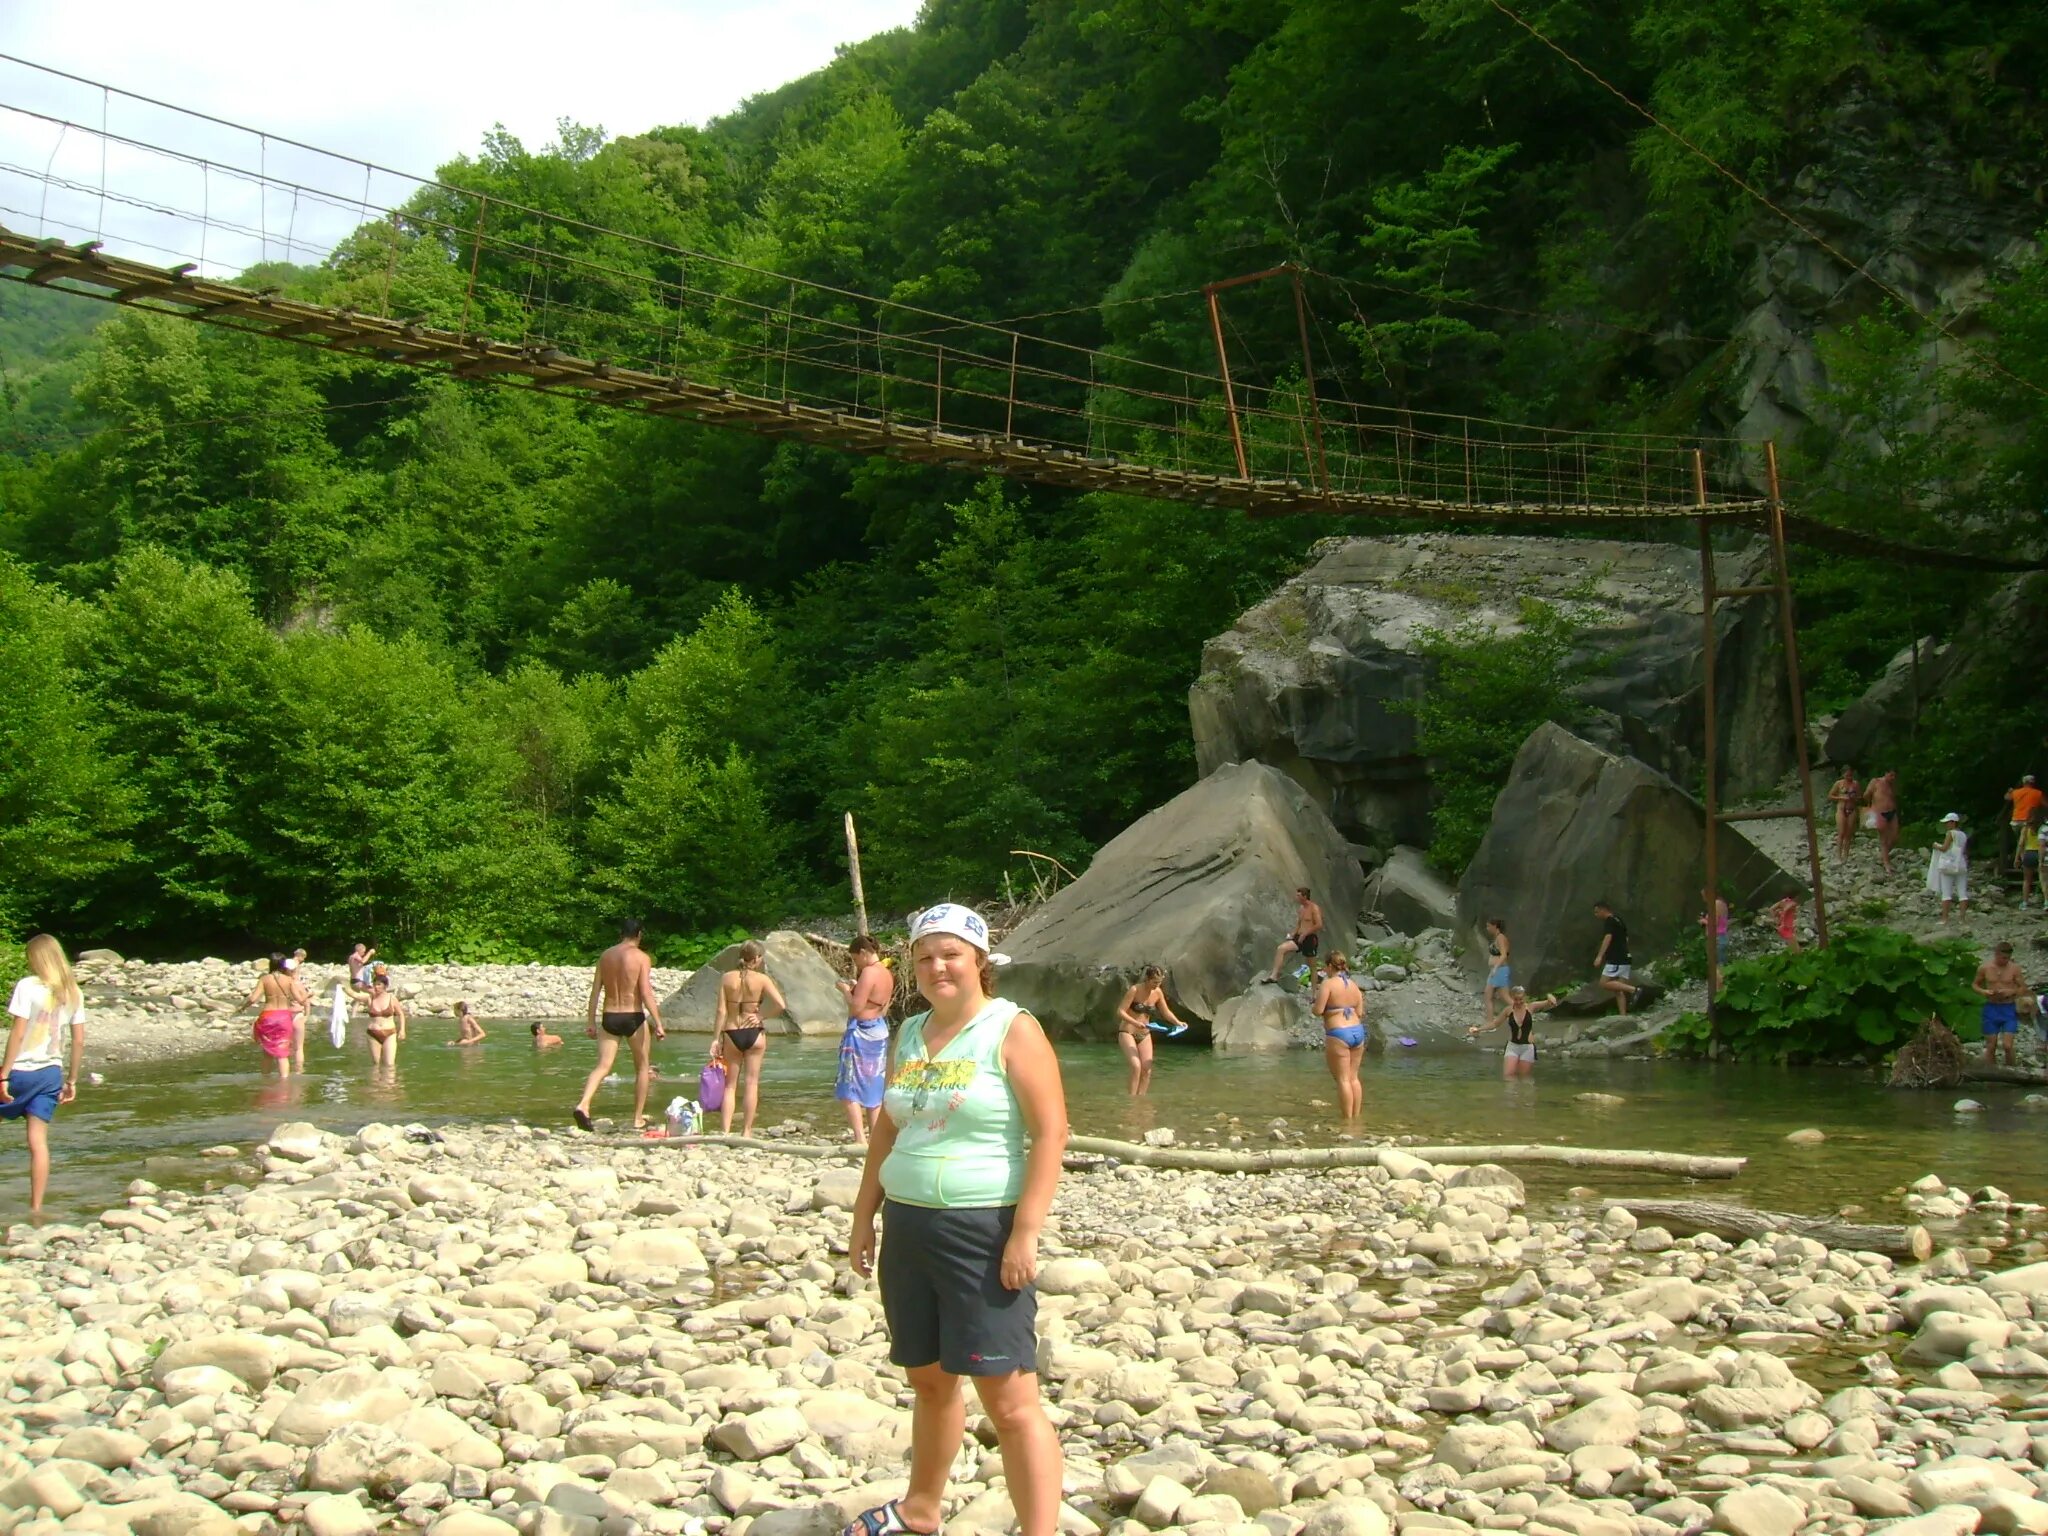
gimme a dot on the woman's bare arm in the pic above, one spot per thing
(1034, 1073)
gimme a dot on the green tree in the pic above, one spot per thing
(687, 842)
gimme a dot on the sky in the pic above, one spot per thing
(408, 84)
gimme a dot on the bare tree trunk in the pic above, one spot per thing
(1737, 1222)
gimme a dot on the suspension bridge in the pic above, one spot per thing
(156, 207)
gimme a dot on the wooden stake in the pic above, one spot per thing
(860, 901)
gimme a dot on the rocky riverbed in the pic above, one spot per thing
(141, 1011)
(486, 1331)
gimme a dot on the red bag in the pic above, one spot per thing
(711, 1085)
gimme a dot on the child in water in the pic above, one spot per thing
(472, 1028)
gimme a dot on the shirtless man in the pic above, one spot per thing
(1999, 982)
(1884, 799)
(1306, 938)
(624, 983)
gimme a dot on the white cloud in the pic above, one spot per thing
(408, 84)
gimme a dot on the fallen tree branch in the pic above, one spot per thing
(1219, 1161)
(1998, 1072)
(1736, 1222)
(1277, 1159)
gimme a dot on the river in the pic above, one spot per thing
(154, 1121)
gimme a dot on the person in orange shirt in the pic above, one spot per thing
(2021, 804)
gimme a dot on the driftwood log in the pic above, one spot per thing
(1997, 1072)
(1221, 1160)
(1736, 1222)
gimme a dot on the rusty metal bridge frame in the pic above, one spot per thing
(158, 213)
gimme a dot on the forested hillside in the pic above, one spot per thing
(301, 649)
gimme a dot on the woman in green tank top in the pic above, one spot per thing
(962, 1162)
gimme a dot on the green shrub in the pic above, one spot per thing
(690, 950)
(1686, 963)
(1863, 996)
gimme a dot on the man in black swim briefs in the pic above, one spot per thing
(1307, 936)
(624, 984)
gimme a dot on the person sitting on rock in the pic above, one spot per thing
(1611, 959)
(1307, 936)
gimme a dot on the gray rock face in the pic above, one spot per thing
(807, 984)
(1202, 887)
(1311, 680)
(1576, 825)
(2012, 621)
(1409, 896)
(1262, 1019)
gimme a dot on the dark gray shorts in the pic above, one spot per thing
(943, 1295)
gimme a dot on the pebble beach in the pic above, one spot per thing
(484, 1330)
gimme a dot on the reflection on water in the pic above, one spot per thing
(156, 1120)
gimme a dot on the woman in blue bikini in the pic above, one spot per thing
(1341, 1007)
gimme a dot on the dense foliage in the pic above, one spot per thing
(1862, 997)
(304, 648)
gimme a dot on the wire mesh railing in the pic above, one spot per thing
(203, 199)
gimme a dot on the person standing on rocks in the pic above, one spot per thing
(624, 984)
(2021, 803)
(1883, 800)
(1999, 982)
(2030, 858)
(1498, 975)
(1519, 1058)
(1846, 796)
(1948, 867)
(864, 1048)
(1307, 935)
(1341, 1007)
(278, 997)
(1145, 996)
(34, 1077)
(744, 995)
(1611, 959)
(962, 1203)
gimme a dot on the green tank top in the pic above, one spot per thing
(959, 1129)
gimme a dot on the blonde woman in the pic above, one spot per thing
(737, 1032)
(1341, 1007)
(34, 1078)
(961, 1166)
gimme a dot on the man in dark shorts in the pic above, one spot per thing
(1611, 961)
(624, 984)
(1307, 936)
(1999, 982)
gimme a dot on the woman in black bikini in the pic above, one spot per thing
(738, 1035)
(1134, 1025)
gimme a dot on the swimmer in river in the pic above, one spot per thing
(472, 1026)
(1519, 1059)
(624, 983)
(1341, 1007)
(1146, 996)
(738, 1033)
(542, 1040)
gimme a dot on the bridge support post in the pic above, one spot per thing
(1229, 394)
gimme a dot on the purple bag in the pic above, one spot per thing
(711, 1085)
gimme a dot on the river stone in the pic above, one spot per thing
(805, 1520)
(1575, 825)
(1952, 1336)
(1075, 1276)
(471, 1522)
(1254, 1491)
(1319, 676)
(179, 1514)
(354, 1394)
(1348, 1517)
(440, 1188)
(1878, 1500)
(2028, 1280)
(1160, 1503)
(1260, 1019)
(250, 1358)
(374, 1457)
(337, 1514)
(808, 985)
(108, 1449)
(1604, 1421)
(836, 1186)
(1410, 897)
(1203, 886)
(1946, 1520)
(644, 1250)
(297, 1140)
(2012, 1514)
(1962, 1480)
(762, 1434)
(45, 1486)
(1967, 1300)
(1760, 1510)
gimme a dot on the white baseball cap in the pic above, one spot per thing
(1951, 816)
(949, 918)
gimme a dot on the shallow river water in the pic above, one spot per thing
(153, 1121)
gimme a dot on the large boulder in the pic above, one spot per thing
(807, 984)
(1577, 825)
(1262, 1019)
(1315, 679)
(1203, 887)
(1409, 896)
